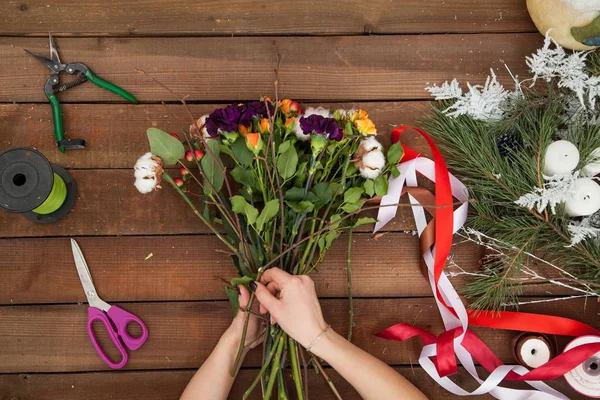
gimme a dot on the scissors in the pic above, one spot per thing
(53, 86)
(114, 318)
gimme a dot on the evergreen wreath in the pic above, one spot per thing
(495, 141)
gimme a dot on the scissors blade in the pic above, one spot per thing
(54, 51)
(46, 61)
(86, 279)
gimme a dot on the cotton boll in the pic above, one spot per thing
(317, 111)
(371, 144)
(372, 163)
(147, 171)
(145, 185)
(201, 122)
(298, 130)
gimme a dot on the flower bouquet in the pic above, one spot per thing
(277, 185)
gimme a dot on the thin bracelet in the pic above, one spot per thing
(319, 337)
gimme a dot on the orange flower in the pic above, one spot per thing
(264, 125)
(290, 121)
(254, 142)
(360, 114)
(290, 107)
(243, 130)
(365, 126)
(267, 98)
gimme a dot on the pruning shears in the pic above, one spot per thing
(53, 86)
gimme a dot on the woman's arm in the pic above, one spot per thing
(293, 304)
(213, 380)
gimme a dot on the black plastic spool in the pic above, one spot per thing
(26, 180)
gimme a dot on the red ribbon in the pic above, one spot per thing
(445, 361)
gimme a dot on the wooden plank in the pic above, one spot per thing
(118, 141)
(312, 68)
(161, 385)
(108, 204)
(182, 334)
(153, 17)
(188, 268)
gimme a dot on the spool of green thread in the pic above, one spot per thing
(55, 199)
(30, 185)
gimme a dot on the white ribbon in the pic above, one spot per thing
(408, 177)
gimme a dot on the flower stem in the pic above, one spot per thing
(275, 367)
(327, 379)
(263, 369)
(293, 348)
(168, 178)
(238, 357)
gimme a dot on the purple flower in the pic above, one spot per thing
(256, 109)
(226, 119)
(322, 126)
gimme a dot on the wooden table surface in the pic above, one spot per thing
(378, 55)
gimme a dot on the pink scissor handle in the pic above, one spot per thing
(95, 314)
(121, 319)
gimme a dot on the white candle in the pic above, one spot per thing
(586, 199)
(561, 157)
(593, 168)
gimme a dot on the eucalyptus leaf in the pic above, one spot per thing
(369, 186)
(165, 146)
(352, 195)
(269, 211)
(241, 206)
(294, 194)
(350, 207)
(287, 163)
(395, 153)
(213, 168)
(233, 297)
(364, 221)
(241, 153)
(381, 185)
(323, 191)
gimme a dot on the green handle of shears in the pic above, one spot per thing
(109, 86)
(57, 116)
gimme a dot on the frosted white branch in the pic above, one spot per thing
(557, 189)
(582, 230)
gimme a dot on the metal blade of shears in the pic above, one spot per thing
(86, 279)
(53, 51)
(46, 61)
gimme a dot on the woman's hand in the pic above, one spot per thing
(292, 302)
(255, 332)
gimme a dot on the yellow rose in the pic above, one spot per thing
(365, 126)
(360, 114)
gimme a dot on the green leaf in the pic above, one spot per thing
(323, 192)
(301, 175)
(241, 206)
(395, 153)
(369, 186)
(244, 280)
(333, 219)
(243, 176)
(350, 207)
(232, 295)
(268, 212)
(395, 172)
(326, 240)
(300, 208)
(381, 185)
(212, 168)
(364, 221)
(287, 162)
(165, 146)
(241, 153)
(352, 195)
(284, 147)
(226, 149)
(294, 194)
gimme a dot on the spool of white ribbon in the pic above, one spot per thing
(585, 378)
(533, 351)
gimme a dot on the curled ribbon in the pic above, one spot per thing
(438, 356)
